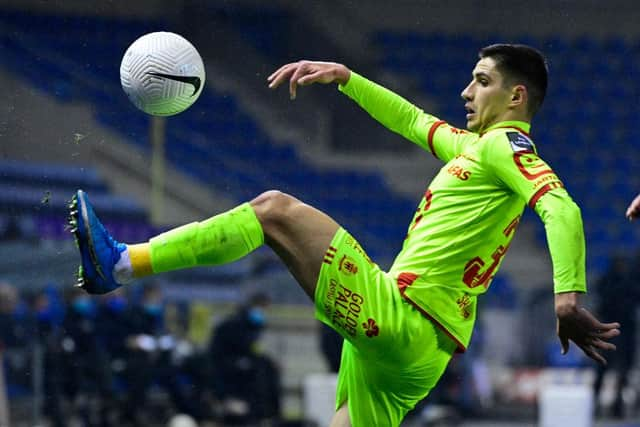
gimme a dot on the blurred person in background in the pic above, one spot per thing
(113, 327)
(12, 335)
(619, 279)
(48, 314)
(331, 346)
(400, 327)
(87, 369)
(244, 381)
(14, 331)
(150, 350)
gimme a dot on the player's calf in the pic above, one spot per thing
(106, 264)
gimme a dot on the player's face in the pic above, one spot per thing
(487, 98)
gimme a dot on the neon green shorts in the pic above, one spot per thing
(392, 355)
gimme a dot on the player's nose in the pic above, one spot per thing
(466, 93)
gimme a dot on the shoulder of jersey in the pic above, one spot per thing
(519, 142)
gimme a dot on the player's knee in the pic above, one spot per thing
(273, 207)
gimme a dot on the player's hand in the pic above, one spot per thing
(577, 324)
(633, 211)
(303, 73)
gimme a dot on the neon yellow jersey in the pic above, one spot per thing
(466, 220)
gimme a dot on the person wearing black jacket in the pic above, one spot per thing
(619, 279)
(150, 350)
(246, 382)
(85, 360)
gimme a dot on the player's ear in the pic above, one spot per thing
(518, 96)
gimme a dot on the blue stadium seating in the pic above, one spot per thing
(584, 130)
(215, 141)
(39, 193)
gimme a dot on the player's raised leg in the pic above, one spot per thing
(297, 232)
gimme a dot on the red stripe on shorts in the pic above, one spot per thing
(404, 281)
(329, 255)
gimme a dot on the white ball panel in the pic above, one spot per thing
(163, 53)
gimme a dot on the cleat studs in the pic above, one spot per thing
(72, 225)
(79, 278)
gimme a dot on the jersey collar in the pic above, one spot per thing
(518, 125)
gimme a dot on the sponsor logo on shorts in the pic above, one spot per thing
(329, 255)
(343, 307)
(463, 305)
(348, 265)
(350, 241)
(372, 329)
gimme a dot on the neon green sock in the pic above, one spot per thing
(219, 240)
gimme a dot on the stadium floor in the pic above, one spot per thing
(417, 423)
(487, 423)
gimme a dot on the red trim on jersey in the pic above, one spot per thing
(405, 280)
(434, 126)
(542, 191)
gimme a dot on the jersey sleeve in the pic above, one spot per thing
(565, 237)
(516, 164)
(401, 116)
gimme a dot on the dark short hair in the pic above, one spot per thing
(258, 298)
(521, 64)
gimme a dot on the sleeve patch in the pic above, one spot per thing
(531, 166)
(520, 142)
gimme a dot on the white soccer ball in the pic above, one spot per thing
(162, 73)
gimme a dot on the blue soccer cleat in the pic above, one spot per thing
(98, 251)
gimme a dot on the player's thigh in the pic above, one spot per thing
(341, 417)
(355, 297)
(299, 233)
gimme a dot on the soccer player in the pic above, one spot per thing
(633, 211)
(401, 327)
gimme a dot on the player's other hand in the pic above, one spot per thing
(304, 73)
(633, 211)
(577, 324)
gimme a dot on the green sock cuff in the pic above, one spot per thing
(218, 240)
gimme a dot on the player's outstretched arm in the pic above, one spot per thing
(577, 324)
(633, 211)
(303, 73)
(390, 109)
(565, 237)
